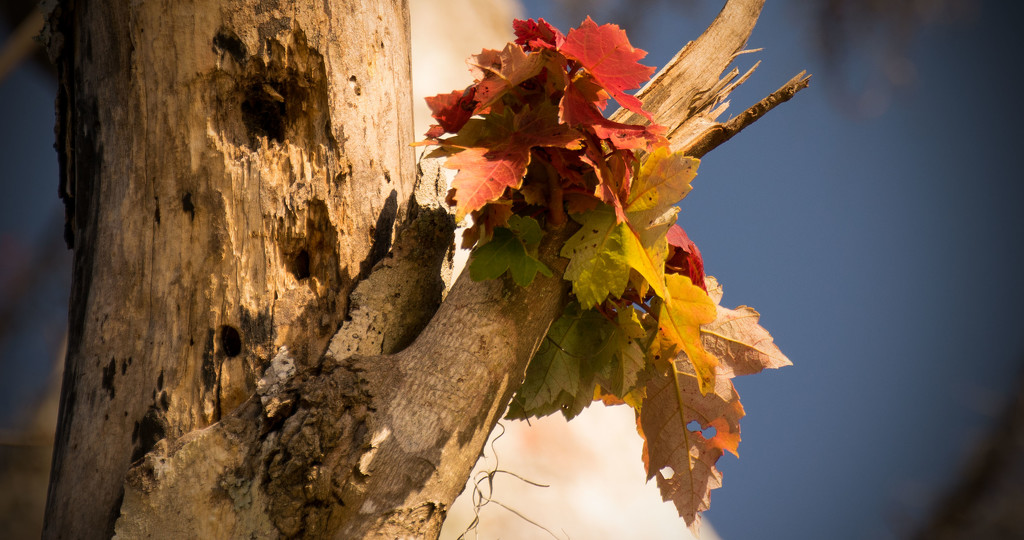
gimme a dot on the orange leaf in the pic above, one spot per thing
(484, 174)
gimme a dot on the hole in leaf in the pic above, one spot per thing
(667, 472)
(710, 432)
(230, 341)
(693, 426)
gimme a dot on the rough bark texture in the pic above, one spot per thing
(231, 169)
(362, 446)
(238, 293)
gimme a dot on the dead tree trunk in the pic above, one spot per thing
(254, 351)
(231, 170)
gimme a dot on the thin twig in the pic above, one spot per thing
(480, 499)
(718, 133)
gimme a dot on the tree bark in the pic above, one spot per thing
(253, 350)
(231, 169)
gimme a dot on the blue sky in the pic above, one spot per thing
(882, 250)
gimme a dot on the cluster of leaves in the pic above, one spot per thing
(533, 149)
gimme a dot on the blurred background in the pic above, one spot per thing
(875, 221)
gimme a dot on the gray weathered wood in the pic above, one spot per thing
(231, 170)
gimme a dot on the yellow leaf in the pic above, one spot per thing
(663, 181)
(650, 265)
(683, 310)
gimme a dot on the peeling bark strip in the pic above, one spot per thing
(288, 151)
(226, 189)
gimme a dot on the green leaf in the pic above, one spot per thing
(509, 250)
(603, 251)
(561, 374)
(629, 358)
(581, 350)
(623, 359)
(528, 230)
(598, 264)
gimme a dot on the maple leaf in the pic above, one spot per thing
(575, 109)
(601, 255)
(609, 243)
(683, 310)
(683, 460)
(714, 289)
(627, 360)
(605, 52)
(452, 110)
(582, 352)
(589, 90)
(560, 376)
(684, 257)
(569, 166)
(516, 66)
(487, 61)
(485, 172)
(538, 125)
(537, 34)
(612, 176)
(663, 181)
(741, 344)
(511, 249)
(485, 221)
(598, 264)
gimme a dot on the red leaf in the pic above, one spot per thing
(537, 34)
(453, 110)
(614, 174)
(434, 132)
(577, 110)
(539, 126)
(569, 166)
(684, 257)
(606, 53)
(515, 67)
(484, 174)
(500, 161)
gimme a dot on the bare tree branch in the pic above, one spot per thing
(717, 133)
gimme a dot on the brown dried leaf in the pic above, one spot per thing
(741, 344)
(683, 460)
(714, 289)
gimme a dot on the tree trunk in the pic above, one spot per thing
(256, 347)
(231, 169)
